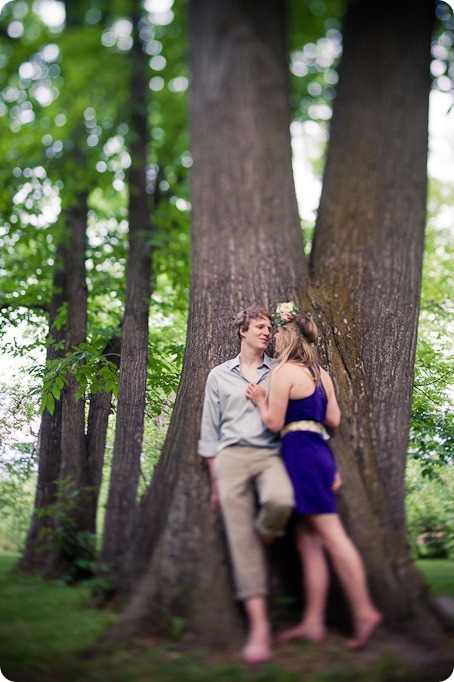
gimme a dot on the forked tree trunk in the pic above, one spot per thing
(364, 289)
(243, 197)
(34, 558)
(366, 275)
(121, 506)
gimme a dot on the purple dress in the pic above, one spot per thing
(308, 458)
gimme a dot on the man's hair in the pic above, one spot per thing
(243, 319)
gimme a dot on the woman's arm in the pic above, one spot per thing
(333, 413)
(274, 405)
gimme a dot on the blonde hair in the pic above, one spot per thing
(296, 344)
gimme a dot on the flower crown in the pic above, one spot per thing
(285, 312)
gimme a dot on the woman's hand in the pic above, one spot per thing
(337, 482)
(255, 393)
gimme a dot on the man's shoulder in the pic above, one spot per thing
(223, 367)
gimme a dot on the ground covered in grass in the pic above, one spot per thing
(47, 634)
(439, 573)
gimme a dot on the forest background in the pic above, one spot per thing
(75, 138)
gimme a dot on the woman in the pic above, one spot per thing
(299, 403)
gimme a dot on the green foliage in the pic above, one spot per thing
(43, 625)
(443, 47)
(76, 547)
(17, 482)
(430, 470)
(315, 49)
(432, 428)
(18, 426)
(177, 627)
(94, 372)
(78, 141)
(430, 512)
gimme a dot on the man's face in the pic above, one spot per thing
(258, 334)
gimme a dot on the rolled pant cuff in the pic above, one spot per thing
(250, 594)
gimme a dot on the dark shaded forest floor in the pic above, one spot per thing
(47, 635)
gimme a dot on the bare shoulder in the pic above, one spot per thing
(287, 367)
(283, 373)
(291, 369)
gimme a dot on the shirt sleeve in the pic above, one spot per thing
(210, 430)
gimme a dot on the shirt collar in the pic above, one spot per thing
(235, 362)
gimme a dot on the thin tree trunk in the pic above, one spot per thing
(72, 494)
(121, 504)
(98, 417)
(73, 431)
(242, 159)
(34, 557)
(366, 269)
(73, 410)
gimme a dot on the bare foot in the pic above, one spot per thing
(314, 633)
(365, 627)
(257, 649)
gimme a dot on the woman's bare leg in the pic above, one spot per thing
(350, 570)
(315, 583)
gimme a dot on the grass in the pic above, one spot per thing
(43, 621)
(46, 632)
(439, 574)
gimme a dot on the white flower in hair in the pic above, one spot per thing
(285, 312)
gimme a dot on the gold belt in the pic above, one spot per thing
(305, 425)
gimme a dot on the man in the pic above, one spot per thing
(244, 462)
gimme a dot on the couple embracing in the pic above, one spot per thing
(249, 401)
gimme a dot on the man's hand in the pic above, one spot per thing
(214, 499)
(255, 393)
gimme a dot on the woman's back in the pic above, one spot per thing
(312, 407)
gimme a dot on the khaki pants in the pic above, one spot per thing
(242, 474)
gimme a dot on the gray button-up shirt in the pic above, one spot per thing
(229, 418)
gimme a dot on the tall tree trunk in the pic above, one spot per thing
(34, 558)
(366, 274)
(121, 504)
(243, 197)
(73, 410)
(72, 478)
(98, 417)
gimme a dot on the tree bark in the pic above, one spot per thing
(366, 275)
(98, 418)
(73, 410)
(49, 438)
(242, 196)
(121, 504)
